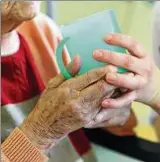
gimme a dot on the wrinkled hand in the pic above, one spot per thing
(66, 106)
(145, 84)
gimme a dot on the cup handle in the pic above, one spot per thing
(59, 52)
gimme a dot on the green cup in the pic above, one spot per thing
(84, 36)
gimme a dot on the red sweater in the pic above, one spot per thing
(21, 86)
(20, 77)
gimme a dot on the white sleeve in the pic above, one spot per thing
(156, 33)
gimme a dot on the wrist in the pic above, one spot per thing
(32, 135)
(38, 136)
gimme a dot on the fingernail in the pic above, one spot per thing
(105, 104)
(74, 67)
(111, 76)
(108, 37)
(97, 54)
(131, 74)
(111, 68)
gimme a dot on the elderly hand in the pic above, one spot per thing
(66, 106)
(145, 84)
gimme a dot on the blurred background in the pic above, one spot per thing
(135, 19)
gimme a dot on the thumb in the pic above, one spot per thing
(74, 67)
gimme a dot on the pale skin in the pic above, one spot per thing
(144, 86)
(65, 106)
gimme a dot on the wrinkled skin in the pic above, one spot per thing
(65, 106)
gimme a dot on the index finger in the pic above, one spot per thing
(118, 59)
(127, 42)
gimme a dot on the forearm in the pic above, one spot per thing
(39, 136)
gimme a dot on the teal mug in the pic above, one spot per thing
(84, 36)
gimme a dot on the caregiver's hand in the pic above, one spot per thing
(145, 85)
(66, 106)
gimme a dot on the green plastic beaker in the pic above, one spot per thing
(84, 36)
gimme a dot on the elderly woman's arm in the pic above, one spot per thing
(64, 107)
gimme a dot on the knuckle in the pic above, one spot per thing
(110, 55)
(65, 91)
(87, 102)
(121, 80)
(101, 86)
(98, 72)
(148, 70)
(73, 106)
(83, 102)
(88, 78)
(81, 117)
(128, 61)
(75, 110)
(117, 79)
(142, 83)
(110, 68)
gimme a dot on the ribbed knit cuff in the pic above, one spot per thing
(18, 148)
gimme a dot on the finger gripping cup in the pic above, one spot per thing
(86, 35)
